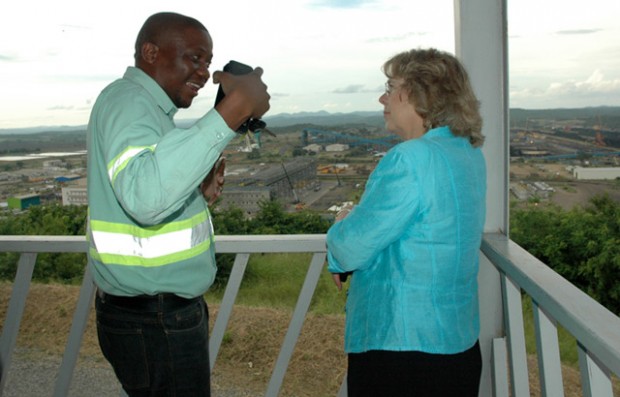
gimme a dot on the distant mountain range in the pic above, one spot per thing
(37, 130)
(324, 118)
(609, 115)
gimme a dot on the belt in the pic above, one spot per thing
(147, 303)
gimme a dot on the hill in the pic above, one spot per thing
(73, 138)
(608, 115)
(326, 119)
(55, 140)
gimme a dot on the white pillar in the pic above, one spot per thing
(481, 45)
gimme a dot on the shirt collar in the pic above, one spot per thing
(163, 100)
(443, 131)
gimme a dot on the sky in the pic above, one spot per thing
(57, 56)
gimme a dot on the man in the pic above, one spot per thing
(151, 239)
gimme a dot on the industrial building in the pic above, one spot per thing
(596, 173)
(247, 198)
(75, 193)
(336, 147)
(24, 201)
(286, 182)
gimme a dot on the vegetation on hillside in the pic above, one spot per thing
(71, 221)
(582, 245)
(52, 220)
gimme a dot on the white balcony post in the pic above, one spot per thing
(481, 44)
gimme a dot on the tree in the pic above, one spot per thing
(271, 219)
(582, 245)
(47, 220)
(231, 221)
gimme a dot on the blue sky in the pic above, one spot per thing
(57, 56)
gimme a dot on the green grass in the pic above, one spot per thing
(275, 280)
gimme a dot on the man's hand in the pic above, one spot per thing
(245, 97)
(211, 187)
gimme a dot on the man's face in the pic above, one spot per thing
(181, 66)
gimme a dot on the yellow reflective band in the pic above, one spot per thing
(147, 231)
(120, 162)
(128, 260)
(116, 243)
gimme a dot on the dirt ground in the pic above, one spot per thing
(568, 191)
(248, 353)
(570, 194)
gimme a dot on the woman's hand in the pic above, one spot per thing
(340, 278)
(344, 211)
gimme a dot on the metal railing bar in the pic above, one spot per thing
(499, 370)
(15, 312)
(513, 315)
(223, 244)
(268, 243)
(343, 391)
(226, 306)
(40, 244)
(595, 378)
(548, 349)
(294, 329)
(76, 334)
(556, 301)
(588, 321)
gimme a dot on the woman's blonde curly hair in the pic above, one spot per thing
(439, 88)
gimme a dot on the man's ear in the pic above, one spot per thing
(149, 52)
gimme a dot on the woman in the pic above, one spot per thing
(411, 245)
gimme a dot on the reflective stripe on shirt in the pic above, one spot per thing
(130, 245)
(119, 162)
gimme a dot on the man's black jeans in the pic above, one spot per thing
(157, 345)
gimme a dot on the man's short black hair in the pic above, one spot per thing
(161, 25)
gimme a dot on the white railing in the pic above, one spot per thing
(243, 246)
(555, 301)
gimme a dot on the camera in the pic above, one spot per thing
(238, 68)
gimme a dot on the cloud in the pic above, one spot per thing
(588, 92)
(60, 107)
(355, 89)
(596, 83)
(77, 78)
(66, 26)
(350, 89)
(341, 3)
(8, 58)
(392, 39)
(578, 31)
(330, 106)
